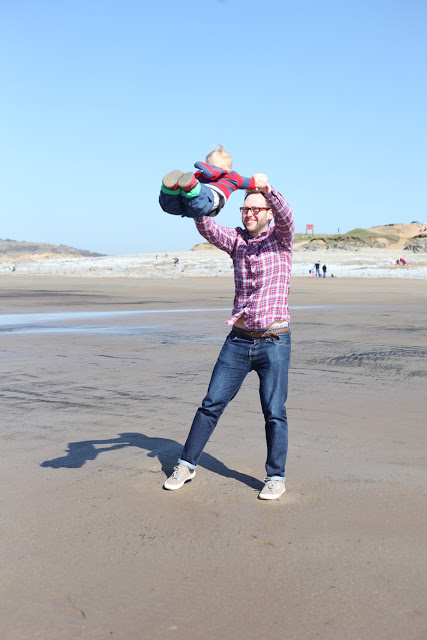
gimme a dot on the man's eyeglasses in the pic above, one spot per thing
(255, 210)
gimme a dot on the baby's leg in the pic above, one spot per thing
(170, 194)
(199, 201)
(189, 185)
(219, 200)
(172, 203)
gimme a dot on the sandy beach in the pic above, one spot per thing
(100, 381)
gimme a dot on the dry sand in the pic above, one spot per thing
(95, 409)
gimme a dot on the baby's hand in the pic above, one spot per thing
(261, 180)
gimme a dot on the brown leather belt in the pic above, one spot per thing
(261, 334)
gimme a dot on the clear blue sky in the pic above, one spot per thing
(100, 98)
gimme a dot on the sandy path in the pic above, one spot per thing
(92, 547)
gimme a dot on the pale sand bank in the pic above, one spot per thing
(92, 422)
(367, 263)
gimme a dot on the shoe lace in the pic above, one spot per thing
(269, 483)
(179, 470)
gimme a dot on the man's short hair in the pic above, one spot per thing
(220, 158)
(251, 192)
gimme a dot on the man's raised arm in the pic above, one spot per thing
(221, 237)
(283, 217)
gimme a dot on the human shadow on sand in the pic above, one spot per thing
(167, 451)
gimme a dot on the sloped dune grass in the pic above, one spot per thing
(362, 236)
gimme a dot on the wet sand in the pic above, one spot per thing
(95, 409)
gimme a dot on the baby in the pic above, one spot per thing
(205, 192)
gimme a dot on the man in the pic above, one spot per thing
(260, 339)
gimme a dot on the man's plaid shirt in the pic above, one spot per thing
(262, 265)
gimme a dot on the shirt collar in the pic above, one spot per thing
(246, 237)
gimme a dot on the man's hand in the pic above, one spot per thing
(261, 182)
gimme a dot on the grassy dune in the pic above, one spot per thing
(359, 236)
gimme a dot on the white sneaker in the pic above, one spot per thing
(272, 490)
(181, 475)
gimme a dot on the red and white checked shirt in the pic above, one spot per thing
(262, 265)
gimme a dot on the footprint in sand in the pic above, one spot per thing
(255, 539)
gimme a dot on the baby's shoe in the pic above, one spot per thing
(170, 180)
(187, 181)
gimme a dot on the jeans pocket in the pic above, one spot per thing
(284, 340)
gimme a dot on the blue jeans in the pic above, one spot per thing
(269, 357)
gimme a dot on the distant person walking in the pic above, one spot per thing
(317, 267)
(324, 269)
